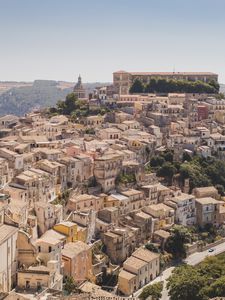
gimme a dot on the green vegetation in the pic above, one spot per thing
(126, 178)
(152, 247)
(137, 87)
(75, 108)
(204, 172)
(167, 170)
(199, 170)
(208, 234)
(70, 107)
(205, 281)
(148, 169)
(70, 286)
(109, 280)
(90, 131)
(62, 198)
(42, 94)
(174, 86)
(176, 243)
(163, 165)
(165, 260)
(154, 290)
(159, 160)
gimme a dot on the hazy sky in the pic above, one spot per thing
(58, 39)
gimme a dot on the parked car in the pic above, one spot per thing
(211, 250)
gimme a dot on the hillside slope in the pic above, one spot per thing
(42, 93)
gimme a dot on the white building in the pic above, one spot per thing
(8, 261)
(184, 205)
(217, 142)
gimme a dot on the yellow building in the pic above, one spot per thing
(69, 229)
(81, 233)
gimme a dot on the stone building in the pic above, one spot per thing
(107, 167)
(139, 269)
(8, 259)
(79, 90)
(123, 80)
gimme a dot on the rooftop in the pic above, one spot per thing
(72, 249)
(134, 262)
(66, 223)
(207, 201)
(167, 73)
(182, 197)
(131, 192)
(127, 275)
(6, 231)
(162, 233)
(145, 255)
(53, 234)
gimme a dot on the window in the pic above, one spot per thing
(49, 249)
(27, 284)
(38, 285)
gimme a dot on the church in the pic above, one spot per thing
(79, 90)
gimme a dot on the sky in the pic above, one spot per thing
(60, 39)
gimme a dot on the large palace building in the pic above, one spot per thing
(123, 80)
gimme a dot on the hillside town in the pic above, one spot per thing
(95, 191)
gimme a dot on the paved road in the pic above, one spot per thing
(196, 258)
(192, 260)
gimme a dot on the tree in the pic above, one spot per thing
(207, 280)
(152, 247)
(70, 104)
(175, 86)
(216, 289)
(215, 85)
(176, 242)
(194, 171)
(185, 284)
(168, 156)
(157, 161)
(186, 157)
(70, 285)
(154, 290)
(125, 178)
(90, 131)
(220, 189)
(167, 170)
(137, 87)
(212, 268)
(151, 86)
